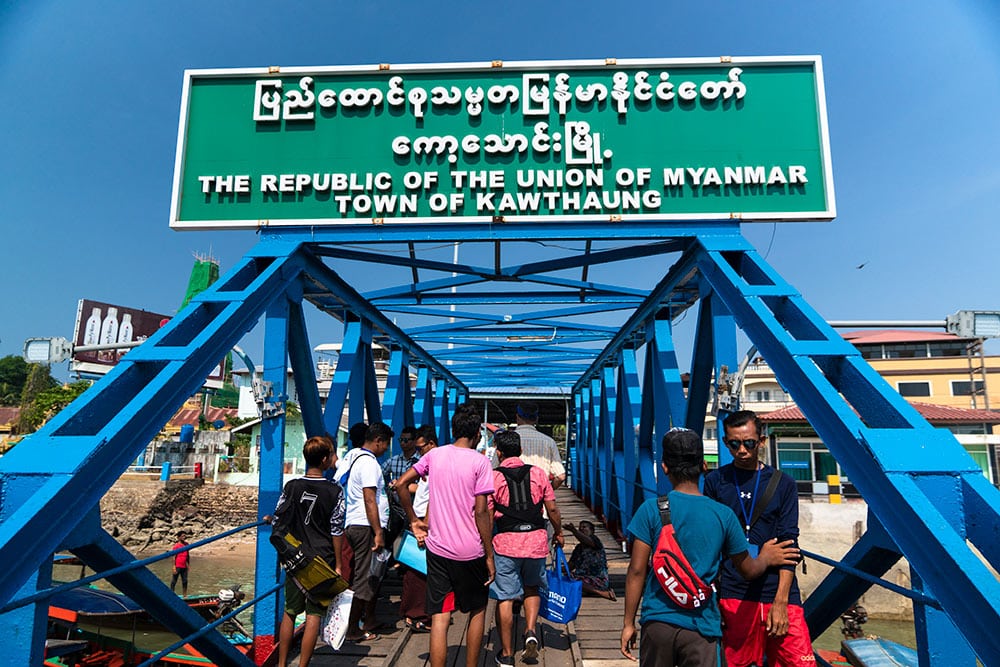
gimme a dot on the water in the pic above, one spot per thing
(208, 574)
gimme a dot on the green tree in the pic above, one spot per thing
(239, 446)
(13, 374)
(47, 403)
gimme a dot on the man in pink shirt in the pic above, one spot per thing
(457, 533)
(520, 542)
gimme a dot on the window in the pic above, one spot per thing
(710, 433)
(806, 461)
(964, 387)
(980, 455)
(761, 396)
(906, 351)
(913, 388)
(796, 461)
(970, 429)
(947, 349)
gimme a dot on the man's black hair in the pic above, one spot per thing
(411, 430)
(357, 434)
(428, 433)
(741, 418)
(466, 422)
(378, 431)
(508, 443)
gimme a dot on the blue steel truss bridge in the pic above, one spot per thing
(546, 323)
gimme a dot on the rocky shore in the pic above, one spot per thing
(147, 515)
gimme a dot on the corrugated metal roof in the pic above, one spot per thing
(9, 415)
(190, 416)
(873, 336)
(935, 414)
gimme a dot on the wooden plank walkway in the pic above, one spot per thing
(590, 641)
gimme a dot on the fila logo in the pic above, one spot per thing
(675, 590)
(746, 494)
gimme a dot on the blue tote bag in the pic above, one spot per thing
(562, 596)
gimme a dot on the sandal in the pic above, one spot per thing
(365, 637)
(417, 626)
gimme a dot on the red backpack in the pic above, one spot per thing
(672, 569)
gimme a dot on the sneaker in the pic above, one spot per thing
(504, 660)
(530, 646)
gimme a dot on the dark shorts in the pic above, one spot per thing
(666, 645)
(296, 601)
(456, 584)
(361, 539)
(182, 574)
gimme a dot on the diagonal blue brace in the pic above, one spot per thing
(72, 461)
(146, 589)
(915, 478)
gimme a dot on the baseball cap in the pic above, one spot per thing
(682, 447)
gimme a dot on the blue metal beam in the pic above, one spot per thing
(912, 475)
(398, 400)
(52, 477)
(267, 616)
(147, 590)
(500, 298)
(304, 370)
(628, 230)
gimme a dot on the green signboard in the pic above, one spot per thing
(701, 139)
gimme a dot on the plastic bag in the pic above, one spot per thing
(337, 619)
(380, 564)
(562, 594)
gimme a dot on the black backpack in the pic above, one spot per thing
(521, 515)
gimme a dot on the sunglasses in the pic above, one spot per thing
(736, 444)
(406, 439)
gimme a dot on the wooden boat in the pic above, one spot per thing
(115, 631)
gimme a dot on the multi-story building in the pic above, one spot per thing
(948, 380)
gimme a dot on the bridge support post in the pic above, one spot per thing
(267, 615)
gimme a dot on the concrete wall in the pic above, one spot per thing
(831, 530)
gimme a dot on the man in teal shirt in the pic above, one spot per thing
(707, 532)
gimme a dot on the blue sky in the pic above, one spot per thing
(89, 126)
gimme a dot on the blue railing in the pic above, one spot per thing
(134, 565)
(49, 592)
(211, 626)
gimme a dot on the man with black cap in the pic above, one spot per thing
(538, 449)
(706, 532)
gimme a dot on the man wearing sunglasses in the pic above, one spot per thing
(763, 616)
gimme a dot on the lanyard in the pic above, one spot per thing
(753, 498)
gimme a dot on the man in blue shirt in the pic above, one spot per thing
(707, 532)
(764, 615)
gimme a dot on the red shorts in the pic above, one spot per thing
(745, 639)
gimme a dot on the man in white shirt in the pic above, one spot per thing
(360, 473)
